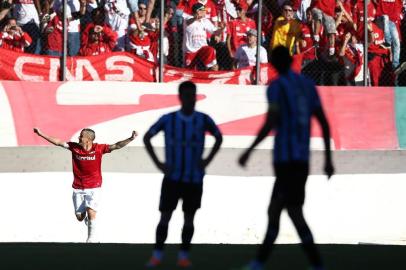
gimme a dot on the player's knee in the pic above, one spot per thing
(80, 216)
(91, 213)
(165, 218)
(188, 224)
(189, 218)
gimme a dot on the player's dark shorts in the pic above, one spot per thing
(290, 183)
(172, 191)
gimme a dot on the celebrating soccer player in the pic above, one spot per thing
(86, 163)
(183, 169)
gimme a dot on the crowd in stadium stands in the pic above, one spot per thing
(220, 34)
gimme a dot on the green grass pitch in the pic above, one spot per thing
(72, 256)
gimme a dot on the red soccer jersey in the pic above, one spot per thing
(237, 29)
(348, 6)
(97, 48)
(105, 44)
(379, 39)
(359, 16)
(327, 6)
(54, 40)
(107, 33)
(392, 8)
(296, 4)
(87, 165)
(15, 42)
(309, 51)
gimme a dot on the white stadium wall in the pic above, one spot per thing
(350, 209)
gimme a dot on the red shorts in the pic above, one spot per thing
(206, 55)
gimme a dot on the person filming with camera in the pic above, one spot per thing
(100, 40)
(13, 37)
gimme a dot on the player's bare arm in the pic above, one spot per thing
(150, 150)
(121, 144)
(50, 139)
(321, 117)
(270, 121)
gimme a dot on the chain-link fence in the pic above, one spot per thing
(212, 35)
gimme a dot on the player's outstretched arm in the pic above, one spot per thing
(328, 165)
(150, 150)
(272, 115)
(53, 140)
(121, 144)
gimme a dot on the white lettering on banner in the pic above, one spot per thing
(19, 66)
(263, 78)
(53, 70)
(184, 76)
(127, 72)
(221, 78)
(245, 76)
(75, 74)
(80, 65)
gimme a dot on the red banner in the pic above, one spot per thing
(109, 67)
(119, 66)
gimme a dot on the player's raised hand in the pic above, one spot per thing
(329, 169)
(133, 135)
(37, 131)
(244, 158)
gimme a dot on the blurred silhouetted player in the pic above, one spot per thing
(86, 165)
(293, 100)
(184, 167)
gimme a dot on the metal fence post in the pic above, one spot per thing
(365, 43)
(161, 43)
(64, 41)
(259, 39)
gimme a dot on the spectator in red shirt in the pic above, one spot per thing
(209, 5)
(198, 55)
(305, 44)
(100, 40)
(344, 25)
(323, 11)
(350, 56)
(237, 29)
(53, 36)
(358, 14)
(389, 13)
(98, 19)
(13, 37)
(378, 54)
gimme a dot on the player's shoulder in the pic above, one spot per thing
(168, 115)
(202, 115)
(73, 144)
(306, 80)
(274, 83)
(298, 77)
(98, 145)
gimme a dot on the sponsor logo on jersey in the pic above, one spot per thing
(85, 157)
